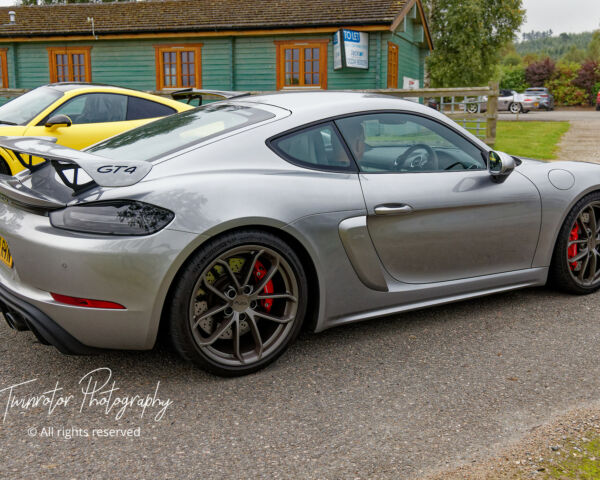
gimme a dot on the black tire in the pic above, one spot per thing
(598, 107)
(563, 274)
(4, 168)
(193, 297)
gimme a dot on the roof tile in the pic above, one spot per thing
(194, 15)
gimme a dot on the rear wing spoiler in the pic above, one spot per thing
(67, 162)
(190, 94)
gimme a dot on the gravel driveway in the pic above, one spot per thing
(391, 398)
(560, 115)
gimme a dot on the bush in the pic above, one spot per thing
(512, 59)
(587, 78)
(513, 78)
(538, 73)
(563, 88)
(596, 90)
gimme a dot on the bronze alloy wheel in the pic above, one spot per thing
(245, 305)
(575, 264)
(583, 246)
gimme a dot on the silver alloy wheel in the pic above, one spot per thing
(515, 107)
(472, 108)
(244, 305)
(585, 242)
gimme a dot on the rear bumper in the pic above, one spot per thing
(135, 272)
(46, 329)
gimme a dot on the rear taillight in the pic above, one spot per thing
(86, 302)
(115, 217)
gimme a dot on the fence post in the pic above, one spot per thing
(492, 114)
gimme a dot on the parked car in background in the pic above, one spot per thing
(545, 98)
(509, 100)
(435, 103)
(78, 115)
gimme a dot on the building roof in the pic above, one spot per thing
(162, 16)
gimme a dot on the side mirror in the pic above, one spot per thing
(58, 121)
(500, 166)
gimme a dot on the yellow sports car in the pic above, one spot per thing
(78, 115)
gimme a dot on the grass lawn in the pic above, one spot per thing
(530, 139)
(581, 461)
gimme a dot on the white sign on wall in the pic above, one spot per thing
(411, 84)
(337, 50)
(356, 49)
(350, 49)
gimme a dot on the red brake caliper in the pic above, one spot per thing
(572, 250)
(260, 272)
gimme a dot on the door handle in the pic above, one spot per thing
(397, 209)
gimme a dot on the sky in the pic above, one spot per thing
(571, 16)
(559, 15)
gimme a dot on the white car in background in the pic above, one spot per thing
(509, 100)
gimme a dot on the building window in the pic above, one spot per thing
(392, 66)
(3, 68)
(178, 66)
(301, 64)
(70, 64)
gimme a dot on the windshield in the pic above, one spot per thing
(23, 109)
(173, 133)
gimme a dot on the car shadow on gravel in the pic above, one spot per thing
(360, 345)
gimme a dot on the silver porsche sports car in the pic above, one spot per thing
(230, 226)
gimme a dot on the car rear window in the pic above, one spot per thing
(176, 132)
(139, 108)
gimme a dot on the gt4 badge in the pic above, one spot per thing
(116, 169)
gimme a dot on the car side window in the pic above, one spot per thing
(314, 147)
(140, 108)
(405, 143)
(94, 108)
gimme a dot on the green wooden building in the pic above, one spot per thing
(228, 44)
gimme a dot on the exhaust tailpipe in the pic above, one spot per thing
(15, 321)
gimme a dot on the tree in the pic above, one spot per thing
(593, 50)
(573, 55)
(554, 47)
(468, 36)
(539, 73)
(533, 35)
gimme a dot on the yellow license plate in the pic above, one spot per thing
(5, 255)
(536, 104)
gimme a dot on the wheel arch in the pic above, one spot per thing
(560, 275)
(306, 259)
(565, 214)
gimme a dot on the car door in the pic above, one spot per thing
(505, 99)
(434, 213)
(97, 116)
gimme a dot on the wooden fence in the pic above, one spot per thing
(475, 108)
